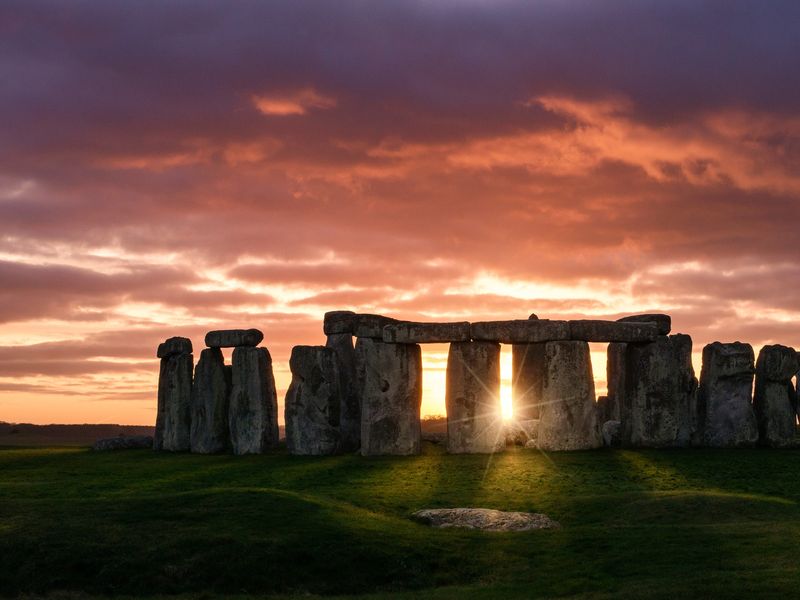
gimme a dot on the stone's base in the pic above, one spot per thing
(253, 410)
(174, 402)
(519, 433)
(313, 402)
(774, 401)
(209, 407)
(485, 519)
(725, 412)
(527, 379)
(568, 416)
(474, 422)
(611, 431)
(350, 405)
(389, 380)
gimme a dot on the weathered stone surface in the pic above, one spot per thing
(211, 391)
(664, 322)
(485, 519)
(520, 331)
(389, 380)
(133, 442)
(371, 326)
(725, 413)
(615, 377)
(568, 415)
(773, 402)
(174, 399)
(519, 433)
(339, 321)
(174, 346)
(253, 410)
(350, 404)
(612, 331)
(659, 393)
(232, 338)
(474, 422)
(313, 402)
(533, 316)
(410, 332)
(527, 379)
(612, 434)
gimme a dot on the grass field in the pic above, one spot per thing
(697, 523)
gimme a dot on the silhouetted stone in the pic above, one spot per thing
(253, 411)
(612, 331)
(174, 346)
(313, 402)
(209, 408)
(725, 412)
(773, 403)
(568, 415)
(484, 519)
(390, 387)
(519, 433)
(409, 332)
(371, 326)
(520, 331)
(533, 316)
(232, 338)
(474, 423)
(660, 387)
(528, 371)
(612, 434)
(339, 321)
(350, 404)
(615, 378)
(664, 322)
(174, 399)
(134, 442)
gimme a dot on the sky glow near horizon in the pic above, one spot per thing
(166, 172)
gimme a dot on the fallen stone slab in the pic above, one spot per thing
(339, 321)
(253, 408)
(520, 331)
(174, 346)
(350, 404)
(774, 401)
(371, 326)
(133, 442)
(410, 332)
(664, 322)
(725, 415)
(209, 406)
(612, 331)
(233, 338)
(484, 519)
(173, 416)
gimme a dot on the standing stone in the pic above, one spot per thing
(209, 409)
(724, 409)
(253, 410)
(615, 378)
(350, 403)
(527, 379)
(174, 400)
(474, 420)
(773, 402)
(568, 416)
(313, 402)
(660, 387)
(389, 380)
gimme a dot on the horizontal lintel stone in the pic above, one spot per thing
(410, 332)
(371, 326)
(232, 338)
(526, 331)
(339, 321)
(612, 331)
(663, 321)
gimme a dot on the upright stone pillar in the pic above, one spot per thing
(209, 408)
(253, 410)
(773, 403)
(350, 404)
(389, 380)
(568, 415)
(615, 377)
(724, 408)
(660, 389)
(313, 402)
(474, 420)
(527, 379)
(173, 418)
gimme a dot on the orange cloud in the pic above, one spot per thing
(297, 102)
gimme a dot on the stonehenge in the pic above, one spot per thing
(362, 390)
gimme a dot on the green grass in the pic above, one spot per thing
(697, 523)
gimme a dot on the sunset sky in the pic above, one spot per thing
(167, 168)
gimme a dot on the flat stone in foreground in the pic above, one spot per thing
(612, 331)
(232, 338)
(520, 331)
(664, 322)
(774, 402)
(253, 409)
(484, 519)
(174, 346)
(123, 443)
(410, 332)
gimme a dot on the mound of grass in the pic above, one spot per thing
(635, 524)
